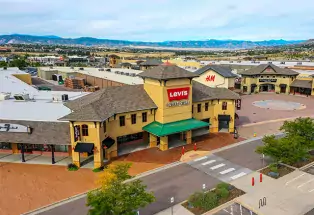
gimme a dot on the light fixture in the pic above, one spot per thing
(29, 130)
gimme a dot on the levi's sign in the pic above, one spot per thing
(178, 94)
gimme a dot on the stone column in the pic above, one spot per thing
(164, 143)
(152, 140)
(189, 137)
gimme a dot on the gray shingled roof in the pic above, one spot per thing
(301, 83)
(101, 105)
(224, 71)
(261, 68)
(151, 62)
(201, 92)
(56, 133)
(166, 72)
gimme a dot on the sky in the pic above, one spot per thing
(160, 20)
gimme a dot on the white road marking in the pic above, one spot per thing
(218, 166)
(199, 159)
(227, 171)
(301, 185)
(238, 175)
(294, 179)
(208, 162)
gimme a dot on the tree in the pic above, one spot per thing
(287, 150)
(302, 127)
(3, 64)
(117, 197)
(20, 63)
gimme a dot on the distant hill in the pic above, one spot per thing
(89, 41)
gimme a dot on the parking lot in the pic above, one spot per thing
(235, 209)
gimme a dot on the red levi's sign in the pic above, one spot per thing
(178, 94)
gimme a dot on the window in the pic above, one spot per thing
(261, 76)
(144, 117)
(133, 118)
(84, 130)
(105, 127)
(206, 106)
(199, 108)
(284, 76)
(274, 76)
(224, 105)
(122, 120)
(267, 76)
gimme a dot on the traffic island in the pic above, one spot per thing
(202, 202)
(276, 170)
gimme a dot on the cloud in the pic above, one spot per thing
(159, 20)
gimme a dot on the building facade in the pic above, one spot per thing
(168, 109)
(216, 76)
(270, 78)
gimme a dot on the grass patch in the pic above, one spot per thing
(99, 169)
(202, 202)
(72, 167)
(276, 171)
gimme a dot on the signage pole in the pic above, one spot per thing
(22, 151)
(53, 154)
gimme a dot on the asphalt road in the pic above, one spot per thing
(178, 182)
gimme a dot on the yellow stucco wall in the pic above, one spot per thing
(219, 81)
(27, 78)
(184, 63)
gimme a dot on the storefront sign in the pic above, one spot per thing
(268, 80)
(178, 103)
(210, 78)
(178, 94)
(76, 133)
(238, 104)
(7, 127)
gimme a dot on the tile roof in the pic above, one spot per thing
(166, 72)
(224, 71)
(151, 62)
(302, 83)
(261, 68)
(56, 133)
(102, 104)
(201, 92)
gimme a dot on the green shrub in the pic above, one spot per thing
(72, 167)
(222, 193)
(273, 168)
(99, 169)
(204, 201)
(223, 185)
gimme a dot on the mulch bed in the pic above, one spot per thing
(304, 163)
(282, 170)
(234, 193)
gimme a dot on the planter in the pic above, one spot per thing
(304, 162)
(282, 170)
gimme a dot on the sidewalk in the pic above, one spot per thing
(175, 210)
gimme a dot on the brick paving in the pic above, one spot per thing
(252, 114)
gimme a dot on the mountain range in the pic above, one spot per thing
(89, 41)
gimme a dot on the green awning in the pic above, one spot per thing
(161, 130)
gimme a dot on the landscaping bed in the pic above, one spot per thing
(276, 171)
(304, 162)
(200, 203)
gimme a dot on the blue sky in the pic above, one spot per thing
(160, 20)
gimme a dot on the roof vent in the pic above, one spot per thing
(21, 97)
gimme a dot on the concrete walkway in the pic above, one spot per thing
(175, 210)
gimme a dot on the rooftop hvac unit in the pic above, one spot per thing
(72, 67)
(299, 63)
(128, 74)
(133, 74)
(51, 67)
(122, 73)
(5, 68)
(81, 68)
(65, 97)
(21, 97)
(117, 72)
(101, 69)
(4, 96)
(57, 98)
(108, 70)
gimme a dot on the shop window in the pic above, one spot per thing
(224, 105)
(122, 120)
(206, 106)
(292, 78)
(133, 118)
(84, 130)
(144, 117)
(105, 127)
(199, 108)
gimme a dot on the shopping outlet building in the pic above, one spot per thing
(167, 110)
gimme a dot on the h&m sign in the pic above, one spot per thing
(178, 94)
(210, 78)
(8, 127)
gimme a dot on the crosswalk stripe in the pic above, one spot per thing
(227, 171)
(238, 175)
(199, 159)
(208, 162)
(217, 166)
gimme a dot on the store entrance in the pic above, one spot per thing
(201, 131)
(175, 140)
(267, 88)
(131, 143)
(223, 123)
